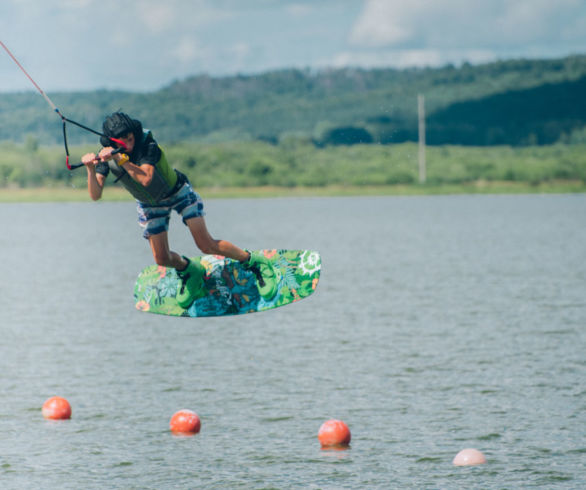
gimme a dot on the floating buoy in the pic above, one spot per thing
(334, 433)
(469, 457)
(185, 422)
(56, 408)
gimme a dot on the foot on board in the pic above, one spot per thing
(267, 276)
(191, 286)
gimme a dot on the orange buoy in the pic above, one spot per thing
(56, 408)
(334, 433)
(185, 422)
(469, 457)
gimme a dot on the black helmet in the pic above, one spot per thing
(118, 125)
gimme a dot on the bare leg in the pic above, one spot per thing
(161, 253)
(268, 277)
(209, 245)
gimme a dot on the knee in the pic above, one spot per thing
(208, 247)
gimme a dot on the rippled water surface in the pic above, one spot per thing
(440, 323)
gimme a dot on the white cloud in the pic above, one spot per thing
(449, 23)
(75, 4)
(403, 58)
(299, 9)
(157, 17)
(435, 32)
(238, 55)
(525, 21)
(240, 50)
(161, 41)
(187, 50)
(383, 23)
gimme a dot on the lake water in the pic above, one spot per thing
(440, 323)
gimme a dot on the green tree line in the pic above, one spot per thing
(514, 102)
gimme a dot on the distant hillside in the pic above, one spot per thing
(515, 102)
(539, 115)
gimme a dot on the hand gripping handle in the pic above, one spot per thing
(80, 164)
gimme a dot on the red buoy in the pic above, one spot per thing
(56, 408)
(185, 422)
(334, 433)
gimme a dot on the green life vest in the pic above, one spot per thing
(161, 186)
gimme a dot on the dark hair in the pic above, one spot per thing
(118, 125)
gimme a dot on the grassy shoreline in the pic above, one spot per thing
(76, 194)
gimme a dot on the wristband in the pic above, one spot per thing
(123, 159)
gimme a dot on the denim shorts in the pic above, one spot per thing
(154, 219)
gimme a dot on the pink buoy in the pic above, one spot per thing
(185, 422)
(334, 433)
(56, 408)
(469, 457)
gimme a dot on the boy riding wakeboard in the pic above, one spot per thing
(159, 189)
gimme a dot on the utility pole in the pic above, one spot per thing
(421, 113)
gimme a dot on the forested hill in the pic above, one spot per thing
(515, 102)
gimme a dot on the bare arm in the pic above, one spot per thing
(95, 181)
(143, 174)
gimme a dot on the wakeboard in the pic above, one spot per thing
(231, 289)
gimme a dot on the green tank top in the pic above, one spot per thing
(164, 177)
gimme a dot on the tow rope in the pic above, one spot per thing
(64, 119)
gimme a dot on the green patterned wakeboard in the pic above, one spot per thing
(232, 290)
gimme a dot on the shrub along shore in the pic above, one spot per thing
(295, 167)
(75, 194)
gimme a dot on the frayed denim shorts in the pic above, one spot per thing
(154, 219)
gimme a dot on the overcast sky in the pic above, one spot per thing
(146, 44)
